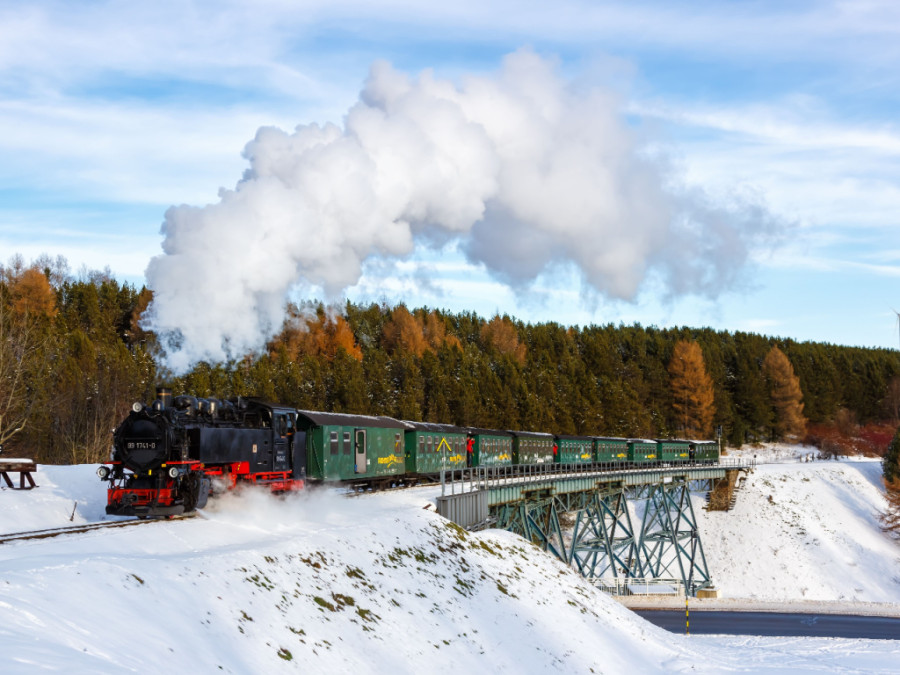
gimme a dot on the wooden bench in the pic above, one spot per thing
(24, 467)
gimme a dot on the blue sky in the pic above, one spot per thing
(111, 112)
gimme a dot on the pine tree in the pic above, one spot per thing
(786, 395)
(692, 390)
(890, 465)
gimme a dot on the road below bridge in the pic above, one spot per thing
(773, 624)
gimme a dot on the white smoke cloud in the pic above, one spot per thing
(524, 168)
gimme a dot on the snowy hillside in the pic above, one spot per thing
(320, 581)
(805, 531)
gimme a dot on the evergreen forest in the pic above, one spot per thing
(74, 357)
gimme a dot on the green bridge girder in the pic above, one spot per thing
(604, 545)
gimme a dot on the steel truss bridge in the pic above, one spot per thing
(612, 523)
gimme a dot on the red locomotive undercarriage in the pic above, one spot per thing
(159, 494)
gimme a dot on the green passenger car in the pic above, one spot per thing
(705, 451)
(348, 447)
(674, 451)
(574, 449)
(491, 447)
(532, 447)
(642, 451)
(431, 447)
(608, 450)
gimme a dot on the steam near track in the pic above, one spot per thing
(524, 168)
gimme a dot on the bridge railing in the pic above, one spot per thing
(638, 586)
(454, 481)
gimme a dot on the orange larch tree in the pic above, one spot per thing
(787, 397)
(322, 336)
(404, 332)
(692, 390)
(32, 294)
(500, 333)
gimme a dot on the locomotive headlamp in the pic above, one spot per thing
(173, 472)
(103, 472)
(137, 407)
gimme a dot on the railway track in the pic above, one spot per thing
(79, 529)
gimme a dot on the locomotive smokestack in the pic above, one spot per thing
(164, 396)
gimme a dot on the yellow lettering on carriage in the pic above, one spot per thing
(390, 459)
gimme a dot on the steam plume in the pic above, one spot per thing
(523, 167)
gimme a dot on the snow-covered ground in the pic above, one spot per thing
(806, 531)
(381, 583)
(803, 536)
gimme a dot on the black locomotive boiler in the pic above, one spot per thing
(168, 456)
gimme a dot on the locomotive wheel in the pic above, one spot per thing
(190, 491)
(203, 488)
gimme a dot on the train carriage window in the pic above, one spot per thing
(398, 443)
(421, 445)
(429, 444)
(334, 442)
(347, 444)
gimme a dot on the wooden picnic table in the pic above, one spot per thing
(24, 467)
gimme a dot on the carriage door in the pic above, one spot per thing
(360, 447)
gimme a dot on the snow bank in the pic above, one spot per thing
(320, 581)
(804, 531)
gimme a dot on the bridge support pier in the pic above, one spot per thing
(669, 545)
(721, 496)
(603, 544)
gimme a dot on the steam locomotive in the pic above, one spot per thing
(167, 455)
(170, 455)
